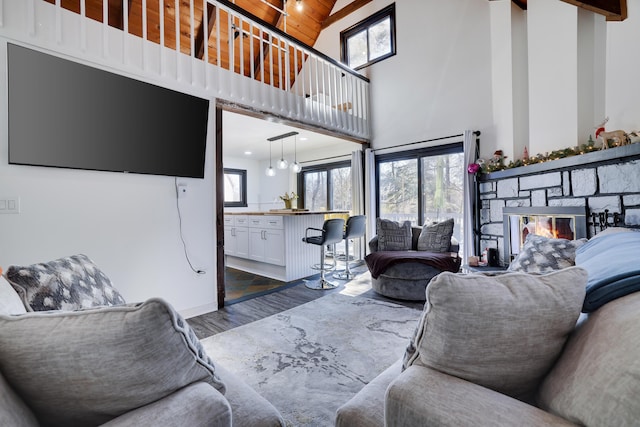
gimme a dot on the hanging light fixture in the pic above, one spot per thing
(270, 170)
(282, 163)
(299, 5)
(295, 166)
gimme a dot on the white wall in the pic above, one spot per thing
(127, 223)
(551, 98)
(622, 65)
(439, 82)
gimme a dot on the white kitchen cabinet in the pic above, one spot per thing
(266, 239)
(236, 236)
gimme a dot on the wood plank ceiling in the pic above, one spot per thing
(304, 25)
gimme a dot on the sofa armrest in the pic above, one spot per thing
(196, 405)
(425, 397)
(373, 244)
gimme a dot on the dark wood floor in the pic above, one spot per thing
(244, 312)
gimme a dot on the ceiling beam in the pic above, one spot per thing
(348, 9)
(614, 10)
(202, 38)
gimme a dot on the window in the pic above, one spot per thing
(370, 40)
(422, 186)
(235, 188)
(326, 187)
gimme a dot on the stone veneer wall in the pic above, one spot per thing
(599, 180)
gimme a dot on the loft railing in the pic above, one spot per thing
(215, 49)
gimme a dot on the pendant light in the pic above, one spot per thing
(270, 170)
(282, 163)
(295, 166)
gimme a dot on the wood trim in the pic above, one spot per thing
(614, 10)
(347, 10)
(219, 171)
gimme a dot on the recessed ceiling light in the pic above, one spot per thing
(248, 153)
(303, 138)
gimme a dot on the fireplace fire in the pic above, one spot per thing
(547, 221)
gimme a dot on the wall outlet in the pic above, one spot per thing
(10, 205)
(182, 190)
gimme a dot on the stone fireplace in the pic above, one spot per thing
(595, 182)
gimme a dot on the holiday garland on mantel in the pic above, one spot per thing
(497, 162)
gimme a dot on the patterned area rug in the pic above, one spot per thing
(309, 360)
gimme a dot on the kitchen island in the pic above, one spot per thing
(270, 243)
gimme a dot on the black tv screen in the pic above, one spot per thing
(69, 115)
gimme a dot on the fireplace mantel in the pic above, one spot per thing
(611, 155)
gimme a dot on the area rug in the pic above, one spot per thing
(309, 360)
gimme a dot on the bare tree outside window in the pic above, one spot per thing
(315, 191)
(398, 187)
(341, 188)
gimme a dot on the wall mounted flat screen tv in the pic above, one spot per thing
(69, 115)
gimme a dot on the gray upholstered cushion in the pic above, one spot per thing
(87, 367)
(69, 283)
(13, 411)
(502, 332)
(596, 381)
(393, 236)
(10, 302)
(543, 254)
(248, 408)
(436, 237)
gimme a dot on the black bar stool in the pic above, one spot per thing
(331, 232)
(354, 229)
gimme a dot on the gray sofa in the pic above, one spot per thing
(115, 365)
(514, 349)
(406, 280)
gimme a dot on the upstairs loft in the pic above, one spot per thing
(224, 53)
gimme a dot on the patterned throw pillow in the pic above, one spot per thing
(393, 236)
(69, 283)
(502, 332)
(436, 237)
(86, 367)
(543, 254)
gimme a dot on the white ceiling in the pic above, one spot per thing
(242, 133)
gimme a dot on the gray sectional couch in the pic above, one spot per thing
(98, 363)
(520, 348)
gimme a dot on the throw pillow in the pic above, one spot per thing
(69, 283)
(436, 237)
(502, 332)
(543, 254)
(392, 236)
(10, 302)
(89, 366)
